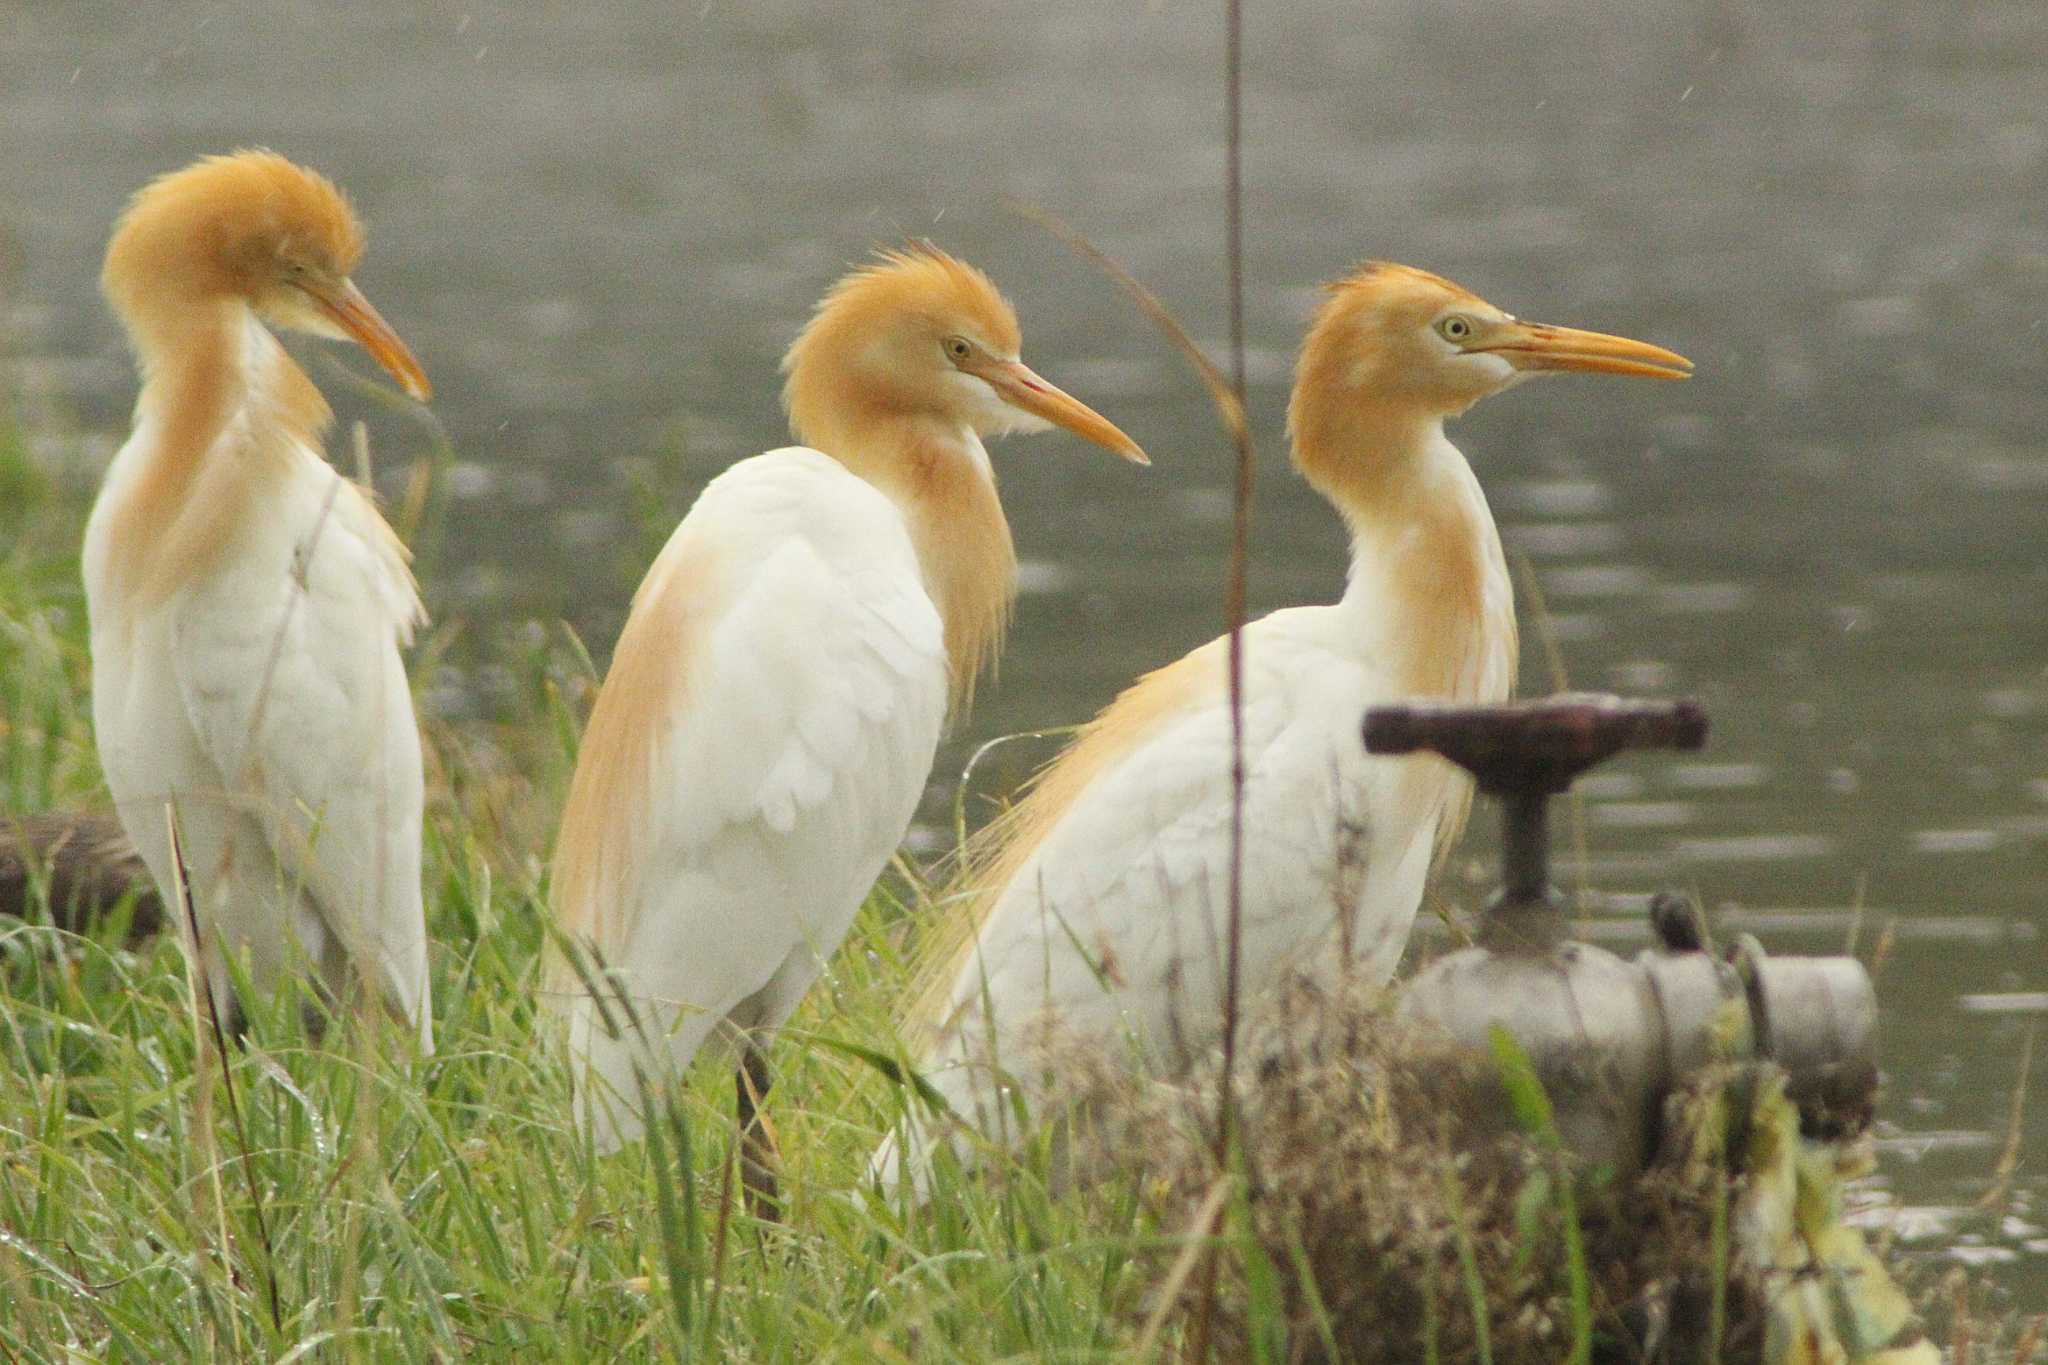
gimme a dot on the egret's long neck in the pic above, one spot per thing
(1429, 588)
(939, 478)
(210, 374)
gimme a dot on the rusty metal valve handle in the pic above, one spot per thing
(1524, 753)
(1535, 747)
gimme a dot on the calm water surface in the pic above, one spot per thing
(599, 224)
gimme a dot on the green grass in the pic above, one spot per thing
(408, 1210)
(337, 1198)
(399, 1209)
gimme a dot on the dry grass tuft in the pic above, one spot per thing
(1386, 1209)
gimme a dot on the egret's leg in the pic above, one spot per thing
(234, 1019)
(759, 1159)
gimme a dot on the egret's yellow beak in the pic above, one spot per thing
(1537, 346)
(346, 307)
(1019, 386)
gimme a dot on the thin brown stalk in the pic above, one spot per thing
(201, 1122)
(359, 437)
(183, 887)
(1200, 1231)
(961, 847)
(1961, 1344)
(362, 1168)
(2030, 1340)
(302, 563)
(1234, 613)
(2009, 1159)
(1229, 407)
(1240, 547)
(1228, 396)
(412, 505)
(1560, 681)
(1546, 624)
(721, 1227)
(1857, 905)
(1882, 953)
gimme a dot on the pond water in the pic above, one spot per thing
(598, 224)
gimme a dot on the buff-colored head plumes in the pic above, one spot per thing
(254, 227)
(923, 336)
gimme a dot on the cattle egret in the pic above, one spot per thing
(772, 709)
(1102, 903)
(248, 603)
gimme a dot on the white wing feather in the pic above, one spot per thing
(787, 766)
(266, 698)
(1115, 925)
(297, 696)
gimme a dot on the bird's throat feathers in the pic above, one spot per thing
(1429, 589)
(1428, 584)
(1430, 595)
(221, 409)
(1428, 581)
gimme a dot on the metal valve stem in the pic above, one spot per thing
(1523, 754)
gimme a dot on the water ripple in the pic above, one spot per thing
(1754, 848)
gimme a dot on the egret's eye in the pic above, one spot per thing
(958, 349)
(1454, 328)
